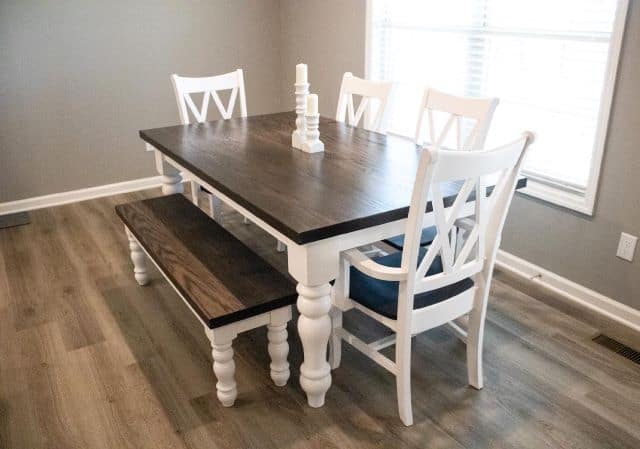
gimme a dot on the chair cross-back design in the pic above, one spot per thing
(419, 289)
(209, 86)
(371, 92)
(469, 118)
(461, 111)
(483, 227)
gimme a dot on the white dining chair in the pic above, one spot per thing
(452, 122)
(209, 87)
(421, 288)
(373, 103)
(469, 116)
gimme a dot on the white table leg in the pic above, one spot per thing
(314, 266)
(314, 328)
(171, 178)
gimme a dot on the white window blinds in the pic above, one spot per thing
(547, 61)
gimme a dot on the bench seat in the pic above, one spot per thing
(219, 276)
(228, 286)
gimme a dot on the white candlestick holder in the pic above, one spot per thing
(299, 135)
(312, 143)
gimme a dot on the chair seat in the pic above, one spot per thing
(428, 236)
(382, 296)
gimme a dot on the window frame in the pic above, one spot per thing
(537, 186)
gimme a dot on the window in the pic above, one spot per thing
(552, 64)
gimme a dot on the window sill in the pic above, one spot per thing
(579, 202)
(582, 202)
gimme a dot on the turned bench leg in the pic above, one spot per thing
(139, 259)
(223, 366)
(278, 345)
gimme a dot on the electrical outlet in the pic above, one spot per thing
(627, 246)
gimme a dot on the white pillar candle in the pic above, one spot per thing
(312, 104)
(301, 73)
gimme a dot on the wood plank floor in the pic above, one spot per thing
(88, 359)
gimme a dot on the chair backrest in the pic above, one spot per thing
(475, 170)
(372, 104)
(209, 86)
(470, 117)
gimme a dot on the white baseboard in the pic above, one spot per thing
(57, 199)
(569, 290)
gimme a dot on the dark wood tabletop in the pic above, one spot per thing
(362, 179)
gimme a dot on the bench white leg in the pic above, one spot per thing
(139, 259)
(278, 345)
(280, 247)
(223, 366)
(245, 220)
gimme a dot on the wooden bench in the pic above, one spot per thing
(224, 283)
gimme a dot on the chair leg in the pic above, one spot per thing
(223, 366)
(403, 378)
(335, 341)
(475, 338)
(195, 191)
(278, 346)
(139, 259)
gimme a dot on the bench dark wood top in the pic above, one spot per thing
(362, 179)
(221, 278)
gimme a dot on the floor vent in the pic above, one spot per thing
(617, 347)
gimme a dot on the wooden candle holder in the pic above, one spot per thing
(312, 143)
(299, 135)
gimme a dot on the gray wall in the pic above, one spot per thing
(330, 37)
(79, 78)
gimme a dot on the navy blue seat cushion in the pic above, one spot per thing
(382, 296)
(428, 236)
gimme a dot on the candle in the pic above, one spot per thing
(301, 73)
(312, 104)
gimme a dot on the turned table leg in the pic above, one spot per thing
(171, 177)
(314, 328)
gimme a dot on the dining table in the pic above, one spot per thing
(354, 193)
